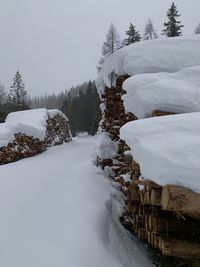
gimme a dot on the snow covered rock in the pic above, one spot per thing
(163, 55)
(167, 148)
(27, 133)
(177, 92)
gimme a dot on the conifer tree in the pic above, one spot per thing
(149, 31)
(172, 26)
(197, 30)
(110, 46)
(133, 36)
(3, 111)
(17, 97)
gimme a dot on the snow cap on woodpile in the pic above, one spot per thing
(28, 133)
(177, 92)
(160, 55)
(167, 148)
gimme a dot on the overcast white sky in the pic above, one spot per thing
(56, 43)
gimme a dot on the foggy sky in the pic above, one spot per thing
(56, 43)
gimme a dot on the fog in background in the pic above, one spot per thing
(56, 43)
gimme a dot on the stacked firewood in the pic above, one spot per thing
(168, 218)
(113, 118)
(23, 146)
(57, 131)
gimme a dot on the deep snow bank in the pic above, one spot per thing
(165, 55)
(167, 148)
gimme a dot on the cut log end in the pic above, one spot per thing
(165, 197)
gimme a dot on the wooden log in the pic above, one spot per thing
(178, 228)
(150, 238)
(156, 241)
(142, 196)
(155, 196)
(158, 112)
(181, 249)
(181, 200)
(159, 225)
(142, 234)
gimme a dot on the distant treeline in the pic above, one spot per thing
(80, 104)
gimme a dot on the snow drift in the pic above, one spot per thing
(167, 148)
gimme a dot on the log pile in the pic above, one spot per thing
(167, 218)
(57, 132)
(113, 118)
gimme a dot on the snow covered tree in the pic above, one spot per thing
(111, 45)
(17, 97)
(149, 31)
(133, 36)
(197, 30)
(173, 26)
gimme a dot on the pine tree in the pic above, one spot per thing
(17, 97)
(2, 94)
(110, 46)
(3, 111)
(149, 31)
(133, 36)
(197, 30)
(172, 27)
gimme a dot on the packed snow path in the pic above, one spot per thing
(53, 212)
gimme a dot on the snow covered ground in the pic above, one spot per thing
(58, 210)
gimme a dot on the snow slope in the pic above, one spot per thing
(160, 55)
(177, 92)
(58, 210)
(167, 148)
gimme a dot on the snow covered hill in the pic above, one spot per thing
(56, 210)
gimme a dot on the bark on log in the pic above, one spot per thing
(181, 200)
(181, 249)
(157, 113)
(142, 234)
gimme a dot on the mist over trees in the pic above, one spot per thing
(17, 99)
(197, 29)
(80, 104)
(149, 31)
(110, 46)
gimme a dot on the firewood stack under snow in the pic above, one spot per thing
(155, 158)
(28, 133)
